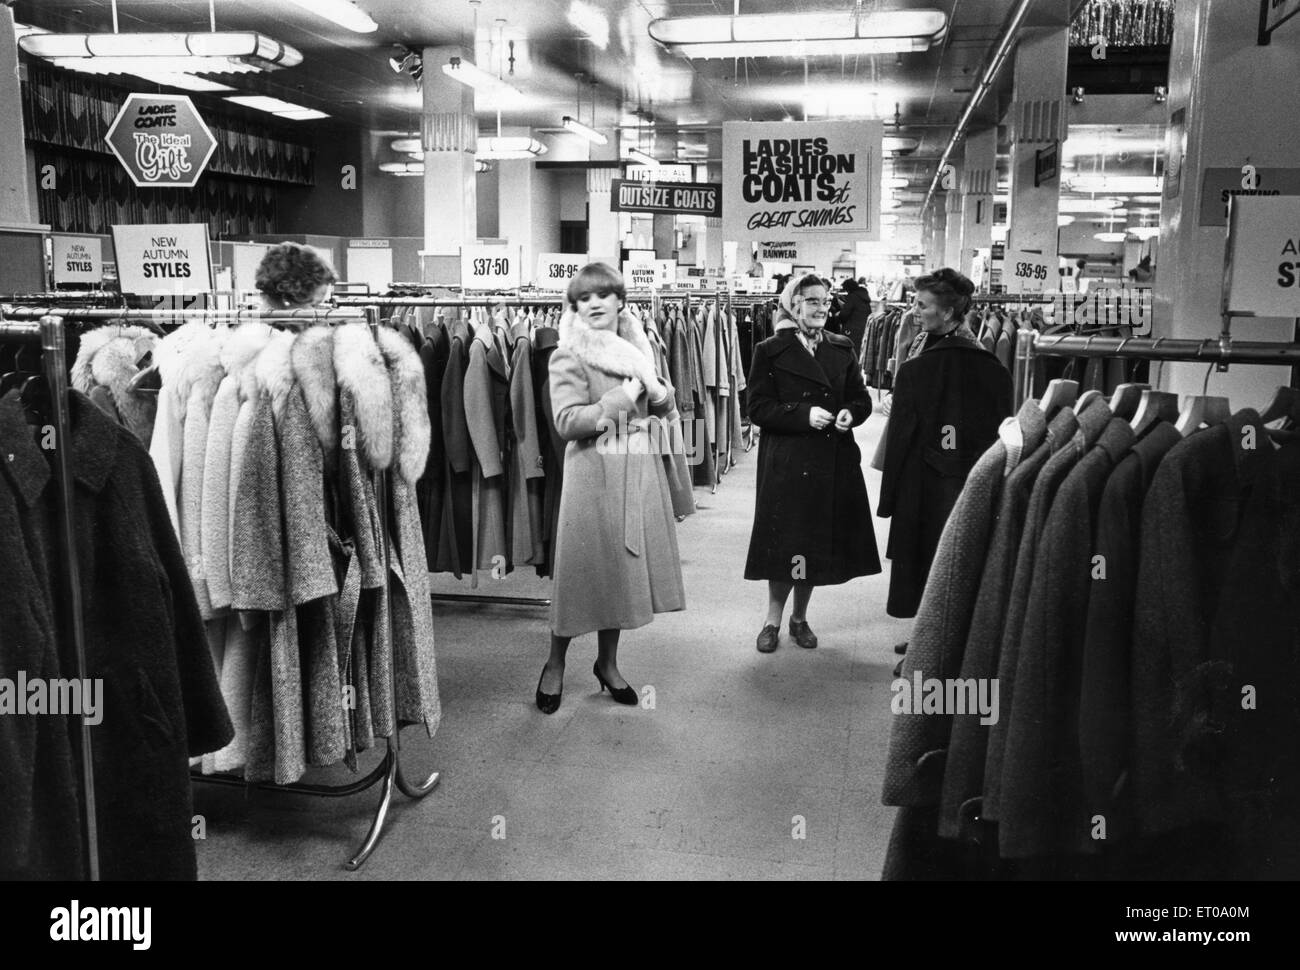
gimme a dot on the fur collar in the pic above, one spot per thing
(623, 354)
(244, 343)
(359, 367)
(112, 364)
(313, 368)
(189, 358)
(273, 372)
(411, 430)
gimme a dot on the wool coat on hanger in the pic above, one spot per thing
(487, 396)
(527, 473)
(811, 509)
(617, 562)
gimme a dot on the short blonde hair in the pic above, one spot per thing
(593, 277)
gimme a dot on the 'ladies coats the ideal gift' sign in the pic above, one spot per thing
(794, 178)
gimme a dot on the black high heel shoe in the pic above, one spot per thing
(547, 703)
(624, 695)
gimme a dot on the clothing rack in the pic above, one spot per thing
(48, 332)
(1220, 351)
(389, 771)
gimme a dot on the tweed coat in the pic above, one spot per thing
(616, 560)
(1092, 422)
(144, 638)
(963, 777)
(1044, 810)
(948, 403)
(1105, 721)
(811, 500)
(918, 742)
(1218, 584)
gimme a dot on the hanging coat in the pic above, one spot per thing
(527, 474)
(545, 340)
(617, 562)
(456, 537)
(948, 403)
(487, 395)
(432, 488)
(811, 508)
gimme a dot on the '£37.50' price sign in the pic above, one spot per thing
(1026, 272)
(489, 268)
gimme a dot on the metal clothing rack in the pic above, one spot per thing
(389, 771)
(48, 332)
(1218, 351)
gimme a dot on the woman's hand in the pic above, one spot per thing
(844, 420)
(656, 391)
(820, 418)
(633, 387)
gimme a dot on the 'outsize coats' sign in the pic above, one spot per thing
(161, 141)
(673, 198)
(801, 177)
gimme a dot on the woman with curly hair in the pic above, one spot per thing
(291, 276)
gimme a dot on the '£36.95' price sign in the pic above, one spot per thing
(554, 270)
(489, 268)
(1026, 272)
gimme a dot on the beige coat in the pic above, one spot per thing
(617, 562)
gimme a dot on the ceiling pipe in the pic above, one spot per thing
(1001, 50)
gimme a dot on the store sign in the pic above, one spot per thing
(163, 259)
(1047, 163)
(78, 259)
(554, 270)
(679, 198)
(369, 244)
(642, 273)
(1273, 14)
(161, 141)
(1222, 184)
(489, 268)
(997, 267)
(786, 252)
(1027, 272)
(801, 178)
(659, 173)
(1263, 275)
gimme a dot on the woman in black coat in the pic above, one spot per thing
(811, 525)
(949, 398)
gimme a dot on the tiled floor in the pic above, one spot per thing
(747, 766)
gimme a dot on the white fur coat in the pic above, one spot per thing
(624, 354)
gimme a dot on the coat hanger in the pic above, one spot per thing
(1085, 400)
(1153, 406)
(1203, 409)
(1124, 402)
(35, 398)
(1285, 404)
(1059, 394)
(27, 363)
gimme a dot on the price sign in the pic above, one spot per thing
(1263, 274)
(489, 268)
(554, 270)
(1026, 272)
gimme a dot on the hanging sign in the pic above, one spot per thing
(787, 251)
(642, 272)
(671, 198)
(800, 178)
(489, 268)
(1222, 184)
(166, 259)
(1047, 163)
(554, 270)
(1263, 262)
(161, 141)
(658, 173)
(78, 259)
(1027, 272)
(1273, 14)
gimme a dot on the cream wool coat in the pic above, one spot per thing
(617, 562)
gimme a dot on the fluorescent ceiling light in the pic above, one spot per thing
(1110, 237)
(591, 21)
(475, 77)
(1062, 221)
(407, 145)
(342, 12)
(801, 35)
(281, 109)
(402, 168)
(1087, 205)
(1147, 199)
(578, 128)
(1122, 184)
(645, 158)
(231, 52)
(510, 146)
(186, 82)
(896, 182)
(1145, 232)
(894, 143)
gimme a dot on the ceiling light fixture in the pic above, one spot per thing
(901, 145)
(645, 158)
(402, 168)
(591, 21)
(405, 145)
(509, 146)
(1144, 232)
(235, 52)
(342, 12)
(896, 182)
(801, 35)
(1063, 221)
(1110, 237)
(475, 77)
(281, 109)
(584, 131)
(1121, 184)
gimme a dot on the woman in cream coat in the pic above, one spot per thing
(617, 563)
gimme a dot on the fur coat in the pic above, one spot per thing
(106, 362)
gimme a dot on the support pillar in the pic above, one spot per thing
(1217, 120)
(979, 178)
(449, 134)
(16, 202)
(1037, 118)
(952, 247)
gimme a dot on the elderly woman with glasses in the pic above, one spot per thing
(812, 524)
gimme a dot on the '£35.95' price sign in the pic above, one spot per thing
(1026, 272)
(489, 268)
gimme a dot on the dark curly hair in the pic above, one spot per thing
(951, 290)
(291, 273)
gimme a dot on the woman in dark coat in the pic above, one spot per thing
(811, 512)
(949, 398)
(855, 310)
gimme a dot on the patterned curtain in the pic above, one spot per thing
(1125, 23)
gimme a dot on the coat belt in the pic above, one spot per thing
(637, 469)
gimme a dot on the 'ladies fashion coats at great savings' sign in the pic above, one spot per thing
(784, 179)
